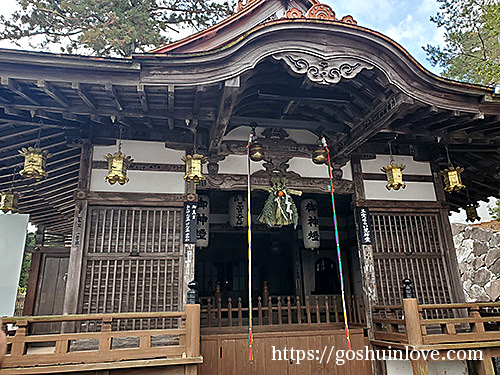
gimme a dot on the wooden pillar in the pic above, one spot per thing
(71, 296)
(192, 336)
(414, 333)
(485, 367)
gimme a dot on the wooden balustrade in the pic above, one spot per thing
(462, 324)
(108, 344)
(278, 310)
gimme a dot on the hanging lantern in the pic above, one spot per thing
(319, 156)
(256, 152)
(238, 211)
(193, 168)
(118, 165)
(453, 179)
(9, 201)
(202, 221)
(394, 176)
(35, 162)
(471, 212)
(310, 224)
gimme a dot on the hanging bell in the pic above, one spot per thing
(118, 165)
(452, 179)
(319, 156)
(394, 176)
(193, 168)
(256, 152)
(35, 162)
(9, 201)
(471, 212)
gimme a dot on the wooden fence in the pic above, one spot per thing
(107, 344)
(277, 310)
(418, 325)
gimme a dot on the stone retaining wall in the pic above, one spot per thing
(478, 255)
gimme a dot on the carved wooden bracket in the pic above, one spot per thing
(323, 71)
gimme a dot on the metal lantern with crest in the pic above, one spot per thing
(394, 173)
(452, 176)
(35, 162)
(118, 164)
(319, 156)
(9, 201)
(471, 212)
(193, 168)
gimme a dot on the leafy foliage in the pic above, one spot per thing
(108, 27)
(25, 267)
(495, 211)
(472, 51)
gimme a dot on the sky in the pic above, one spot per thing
(405, 21)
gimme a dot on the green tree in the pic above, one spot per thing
(107, 27)
(25, 267)
(472, 50)
(495, 211)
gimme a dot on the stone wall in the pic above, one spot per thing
(478, 255)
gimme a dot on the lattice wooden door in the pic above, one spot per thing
(133, 260)
(410, 245)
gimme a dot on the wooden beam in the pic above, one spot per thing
(84, 95)
(278, 123)
(141, 91)
(197, 100)
(52, 92)
(375, 121)
(113, 95)
(15, 88)
(226, 105)
(171, 105)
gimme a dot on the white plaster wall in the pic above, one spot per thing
(142, 152)
(237, 164)
(12, 240)
(140, 182)
(412, 167)
(415, 191)
(347, 171)
(435, 368)
(306, 168)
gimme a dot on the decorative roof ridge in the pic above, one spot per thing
(320, 12)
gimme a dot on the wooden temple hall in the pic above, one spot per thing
(135, 173)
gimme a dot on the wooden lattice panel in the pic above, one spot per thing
(410, 245)
(133, 261)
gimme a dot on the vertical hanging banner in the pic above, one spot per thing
(365, 226)
(202, 221)
(189, 222)
(238, 211)
(310, 224)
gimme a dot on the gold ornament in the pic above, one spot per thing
(35, 162)
(471, 212)
(9, 201)
(319, 156)
(256, 152)
(118, 164)
(394, 176)
(452, 179)
(193, 168)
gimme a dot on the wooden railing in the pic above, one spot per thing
(277, 310)
(462, 324)
(108, 344)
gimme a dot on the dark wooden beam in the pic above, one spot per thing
(344, 98)
(278, 123)
(197, 100)
(226, 105)
(51, 91)
(84, 95)
(113, 95)
(375, 121)
(15, 88)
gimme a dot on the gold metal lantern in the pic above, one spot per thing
(452, 179)
(471, 212)
(193, 168)
(319, 156)
(35, 162)
(9, 201)
(118, 165)
(394, 174)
